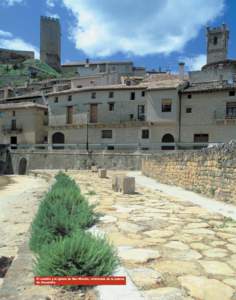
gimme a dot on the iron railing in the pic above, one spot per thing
(114, 147)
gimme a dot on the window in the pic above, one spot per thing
(188, 110)
(111, 106)
(141, 112)
(110, 147)
(93, 95)
(189, 96)
(145, 134)
(13, 124)
(70, 98)
(166, 105)
(231, 110)
(111, 94)
(102, 68)
(46, 113)
(69, 117)
(56, 100)
(143, 93)
(106, 134)
(215, 40)
(132, 96)
(201, 138)
(131, 116)
(13, 113)
(231, 93)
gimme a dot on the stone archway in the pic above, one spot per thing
(22, 166)
(58, 138)
(168, 138)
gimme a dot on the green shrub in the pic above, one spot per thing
(68, 196)
(62, 212)
(79, 255)
(54, 220)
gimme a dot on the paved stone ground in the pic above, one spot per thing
(172, 249)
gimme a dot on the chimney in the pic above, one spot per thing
(5, 92)
(87, 63)
(181, 70)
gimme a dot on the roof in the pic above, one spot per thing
(25, 96)
(82, 63)
(165, 84)
(163, 81)
(100, 88)
(210, 86)
(6, 106)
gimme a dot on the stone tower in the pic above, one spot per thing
(50, 42)
(217, 44)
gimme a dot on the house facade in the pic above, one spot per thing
(23, 123)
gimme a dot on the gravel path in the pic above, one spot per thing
(18, 204)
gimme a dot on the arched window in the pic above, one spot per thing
(58, 138)
(215, 40)
(22, 166)
(168, 138)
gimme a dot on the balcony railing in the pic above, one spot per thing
(12, 129)
(132, 147)
(223, 115)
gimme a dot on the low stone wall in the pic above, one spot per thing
(211, 172)
(75, 160)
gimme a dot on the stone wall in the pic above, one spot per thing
(61, 159)
(211, 172)
(8, 56)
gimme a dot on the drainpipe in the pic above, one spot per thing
(180, 115)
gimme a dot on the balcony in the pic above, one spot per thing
(12, 130)
(225, 117)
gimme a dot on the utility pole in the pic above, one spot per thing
(87, 134)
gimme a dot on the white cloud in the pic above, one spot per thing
(50, 3)
(5, 34)
(7, 41)
(12, 2)
(139, 27)
(195, 63)
(52, 15)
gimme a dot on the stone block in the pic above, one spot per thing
(94, 169)
(102, 173)
(128, 186)
(123, 184)
(115, 183)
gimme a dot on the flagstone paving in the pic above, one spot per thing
(172, 249)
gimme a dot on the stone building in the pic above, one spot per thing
(91, 68)
(116, 117)
(50, 42)
(217, 44)
(208, 104)
(106, 105)
(23, 123)
(8, 56)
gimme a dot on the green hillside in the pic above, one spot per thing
(29, 69)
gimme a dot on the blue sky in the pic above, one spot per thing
(153, 33)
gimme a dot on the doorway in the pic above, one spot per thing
(13, 142)
(93, 113)
(22, 167)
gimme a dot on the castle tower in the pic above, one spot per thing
(50, 42)
(217, 44)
